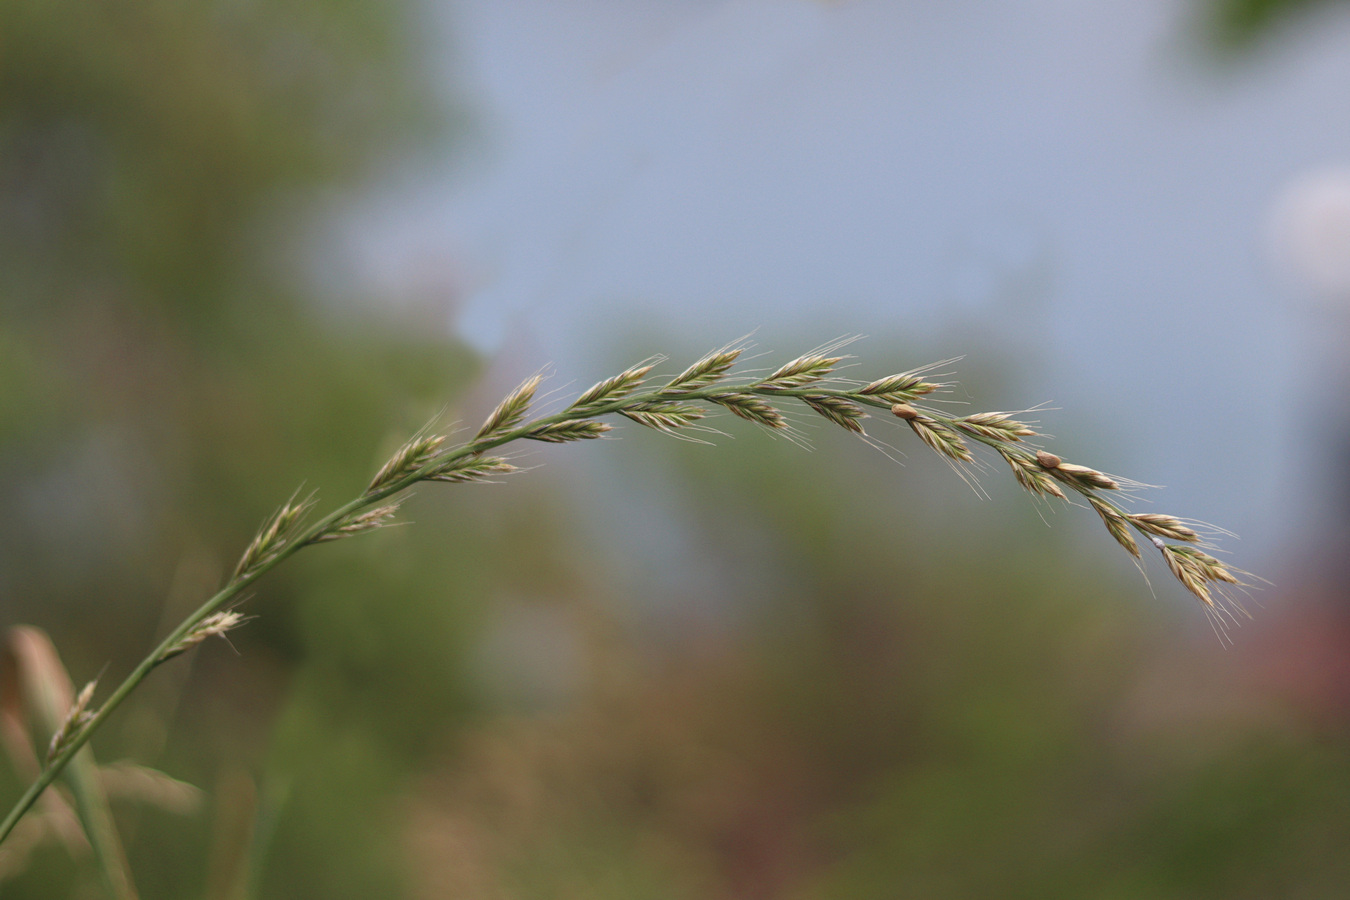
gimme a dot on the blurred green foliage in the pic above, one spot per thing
(904, 695)
(1239, 25)
(849, 680)
(166, 380)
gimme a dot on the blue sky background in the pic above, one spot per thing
(1079, 182)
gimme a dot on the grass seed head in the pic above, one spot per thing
(472, 468)
(569, 430)
(76, 718)
(274, 536)
(750, 407)
(510, 411)
(360, 523)
(1083, 477)
(940, 438)
(618, 387)
(995, 426)
(898, 388)
(707, 371)
(1029, 474)
(1188, 573)
(664, 415)
(213, 625)
(844, 413)
(1117, 524)
(802, 371)
(1198, 571)
(413, 455)
(1164, 526)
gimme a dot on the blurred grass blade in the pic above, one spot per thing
(37, 682)
(232, 844)
(54, 819)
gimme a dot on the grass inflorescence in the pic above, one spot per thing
(679, 406)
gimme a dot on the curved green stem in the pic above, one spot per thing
(705, 382)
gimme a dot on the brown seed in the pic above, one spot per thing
(1047, 460)
(904, 411)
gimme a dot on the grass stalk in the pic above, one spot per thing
(677, 407)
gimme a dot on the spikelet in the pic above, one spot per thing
(750, 407)
(214, 625)
(511, 411)
(842, 412)
(617, 387)
(276, 534)
(707, 371)
(416, 453)
(75, 719)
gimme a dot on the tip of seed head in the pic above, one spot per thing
(904, 411)
(1047, 460)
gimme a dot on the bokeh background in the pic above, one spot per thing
(249, 246)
